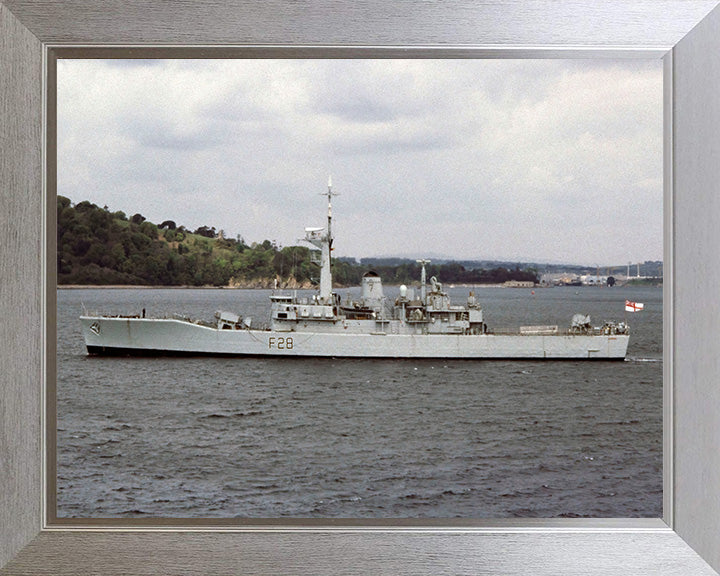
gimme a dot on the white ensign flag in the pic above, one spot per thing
(633, 306)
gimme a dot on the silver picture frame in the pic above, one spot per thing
(684, 33)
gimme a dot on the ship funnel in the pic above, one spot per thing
(372, 289)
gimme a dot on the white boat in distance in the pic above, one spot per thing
(427, 325)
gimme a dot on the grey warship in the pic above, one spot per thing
(424, 325)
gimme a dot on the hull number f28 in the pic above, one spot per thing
(280, 343)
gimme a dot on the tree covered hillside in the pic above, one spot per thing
(99, 247)
(96, 246)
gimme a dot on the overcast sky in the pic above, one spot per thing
(542, 160)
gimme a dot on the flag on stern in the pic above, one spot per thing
(633, 306)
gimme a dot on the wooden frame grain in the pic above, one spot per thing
(687, 31)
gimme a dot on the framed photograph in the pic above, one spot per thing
(685, 534)
(372, 395)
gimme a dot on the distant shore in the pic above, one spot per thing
(139, 287)
(142, 287)
(255, 287)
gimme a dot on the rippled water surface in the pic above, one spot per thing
(261, 438)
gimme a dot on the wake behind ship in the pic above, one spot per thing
(425, 325)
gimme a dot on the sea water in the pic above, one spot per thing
(339, 438)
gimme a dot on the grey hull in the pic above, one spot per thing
(149, 336)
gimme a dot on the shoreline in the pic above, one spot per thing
(250, 287)
(144, 287)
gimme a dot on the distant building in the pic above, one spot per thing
(519, 284)
(592, 280)
(560, 279)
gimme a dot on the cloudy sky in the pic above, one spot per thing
(542, 160)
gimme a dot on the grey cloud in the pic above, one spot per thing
(361, 109)
(395, 142)
(498, 156)
(157, 133)
(133, 63)
(362, 92)
(236, 107)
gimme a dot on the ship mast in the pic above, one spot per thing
(423, 281)
(324, 242)
(330, 194)
(325, 270)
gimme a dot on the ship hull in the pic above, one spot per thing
(174, 337)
